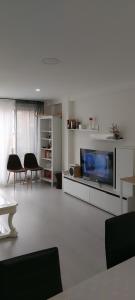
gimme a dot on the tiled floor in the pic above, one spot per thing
(47, 217)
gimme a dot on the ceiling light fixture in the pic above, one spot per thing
(50, 61)
(37, 90)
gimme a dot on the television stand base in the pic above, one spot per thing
(101, 196)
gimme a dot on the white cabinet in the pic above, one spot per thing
(102, 199)
(50, 147)
(107, 198)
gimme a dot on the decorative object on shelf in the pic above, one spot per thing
(73, 124)
(47, 154)
(84, 126)
(90, 122)
(116, 131)
(49, 136)
(47, 174)
(49, 145)
(78, 124)
(68, 124)
(93, 125)
(75, 170)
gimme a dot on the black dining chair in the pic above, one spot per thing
(31, 164)
(14, 166)
(119, 238)
(33, 276)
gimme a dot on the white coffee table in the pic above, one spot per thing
(7, 208)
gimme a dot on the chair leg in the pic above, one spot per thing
(31, 179)
(25, 177)
(20, 177)
(36, 176)
(8, 177)
(14, 180)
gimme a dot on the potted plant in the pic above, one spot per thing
(115, 130)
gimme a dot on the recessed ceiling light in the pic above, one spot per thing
(50, 61)
(37, 90)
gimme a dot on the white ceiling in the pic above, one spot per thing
(94, 39)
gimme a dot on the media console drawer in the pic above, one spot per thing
(107, 202)
(76, 189)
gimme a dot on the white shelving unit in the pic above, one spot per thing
(50, 147)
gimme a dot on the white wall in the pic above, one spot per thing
(118, 107)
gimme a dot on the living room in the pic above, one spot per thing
(73, 60)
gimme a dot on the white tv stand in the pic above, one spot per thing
(101, 196)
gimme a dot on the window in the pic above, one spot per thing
(7, 135)
(18, 131)
(26, 129)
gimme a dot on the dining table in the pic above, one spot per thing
(116, 283)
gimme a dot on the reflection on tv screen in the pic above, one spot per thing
(97, 165)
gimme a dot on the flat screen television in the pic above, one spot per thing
(97, 165)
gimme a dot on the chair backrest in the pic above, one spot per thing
(119, 238)
(30, 161)
(34, 276)
(14, 162)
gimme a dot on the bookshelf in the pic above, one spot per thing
(50, 147)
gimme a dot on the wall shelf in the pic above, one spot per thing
(48, 149)
(84, 130)
(96, 135)
(105, 137)
(46, 139)
(45, 158)
(44, 131)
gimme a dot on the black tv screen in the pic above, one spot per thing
(97, 165)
